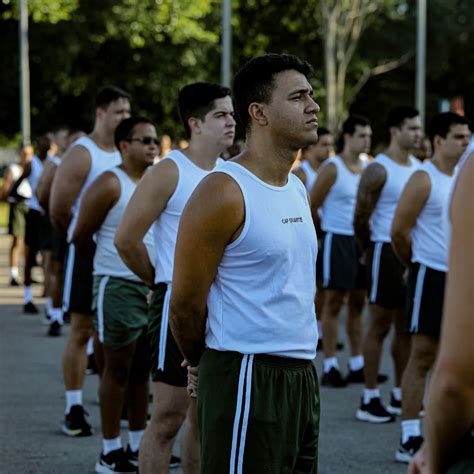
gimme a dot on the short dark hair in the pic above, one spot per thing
(350, 124)
(441, 123)
(398, 115)
(125, 128)
(197, 99)
(109, 94)
(254, 80)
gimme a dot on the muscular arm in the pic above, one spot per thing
(324, 182)
(67, 184)
(371, 184)
(100, 197)
(43, 190)
(207, 226)
(147, 203)
(450, 412)
(411, 203)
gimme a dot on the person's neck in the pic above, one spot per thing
(202, 154)
(267, 159)
(444, 164)
(396, 153)
(349, 156)
(134, 170)
(102, 139)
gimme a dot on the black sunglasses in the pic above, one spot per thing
(145, 140)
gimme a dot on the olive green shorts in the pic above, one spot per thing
(257, 414)
(120, 310)
(17, 219)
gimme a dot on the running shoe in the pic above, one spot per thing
(374, 412)
(114, 462)
(54, 329)
(357, 376)
(75, 423)
(407, 450)
(395, 407)
(334, 379)
(30, 308)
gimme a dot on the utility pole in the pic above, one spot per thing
(421, 60)
(226, 43)
(24, 75)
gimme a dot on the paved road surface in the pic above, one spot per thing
(32, 404)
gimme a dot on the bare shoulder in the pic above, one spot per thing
(328, 171)
(76, 160)
(162, 176)
(300, 173)
(106, 183)
(374, 176)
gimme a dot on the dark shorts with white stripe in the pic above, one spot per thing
(257, 414)
(341, 266)
(385, 277)
(77, 293)
(171, 373)
(425, 299)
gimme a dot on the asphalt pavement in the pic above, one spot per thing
(32, 404)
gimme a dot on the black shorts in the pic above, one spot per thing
(342, 269)
(46, 232)
(33, 230)
(385, 277)
(78, 279)
(319, 261)
(58, 247)
(425, 299)
(166, 357)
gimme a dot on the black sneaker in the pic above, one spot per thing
(54, 329)
(175, 461)
(132, 456)
(357, 376)
(91, 366)
(115, 461)
(407, 450)
(76, 424)
(30, 308)
(395, 407)
(333, 378)
(14, 282)
(373, 412)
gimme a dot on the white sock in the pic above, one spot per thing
(370, 393)
(410, 428)
(49, 305)
(73, 397)
(320, 329)
(56, 314)
(28, 295)
(329, 363)
(90, 346)
(14, 273)
(356, 362)
(134, 438)
(109, 445)
(397, 393)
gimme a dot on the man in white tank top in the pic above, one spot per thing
(420, 237)
(333, 201)
(120, 298)
(207, 114)
(379, 190)
(242, 303)
(83, 162)
(18, 208)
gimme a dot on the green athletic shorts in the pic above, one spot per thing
(169, 371)
(17, 219)
(257, 414)
(120, 310)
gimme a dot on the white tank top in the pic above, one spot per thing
(101, 161)
(338, 208)
(311, 174)
(397, 177)
(24, 189)
(429, 238)
(262, 298)
(107, 260)
(33, 179)
(165, 228)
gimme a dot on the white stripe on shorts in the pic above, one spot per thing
(100, 307)
(245, 380)
(415, 315)
(327, 259)
(375, 271)
(164, 329)
(68, 277)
